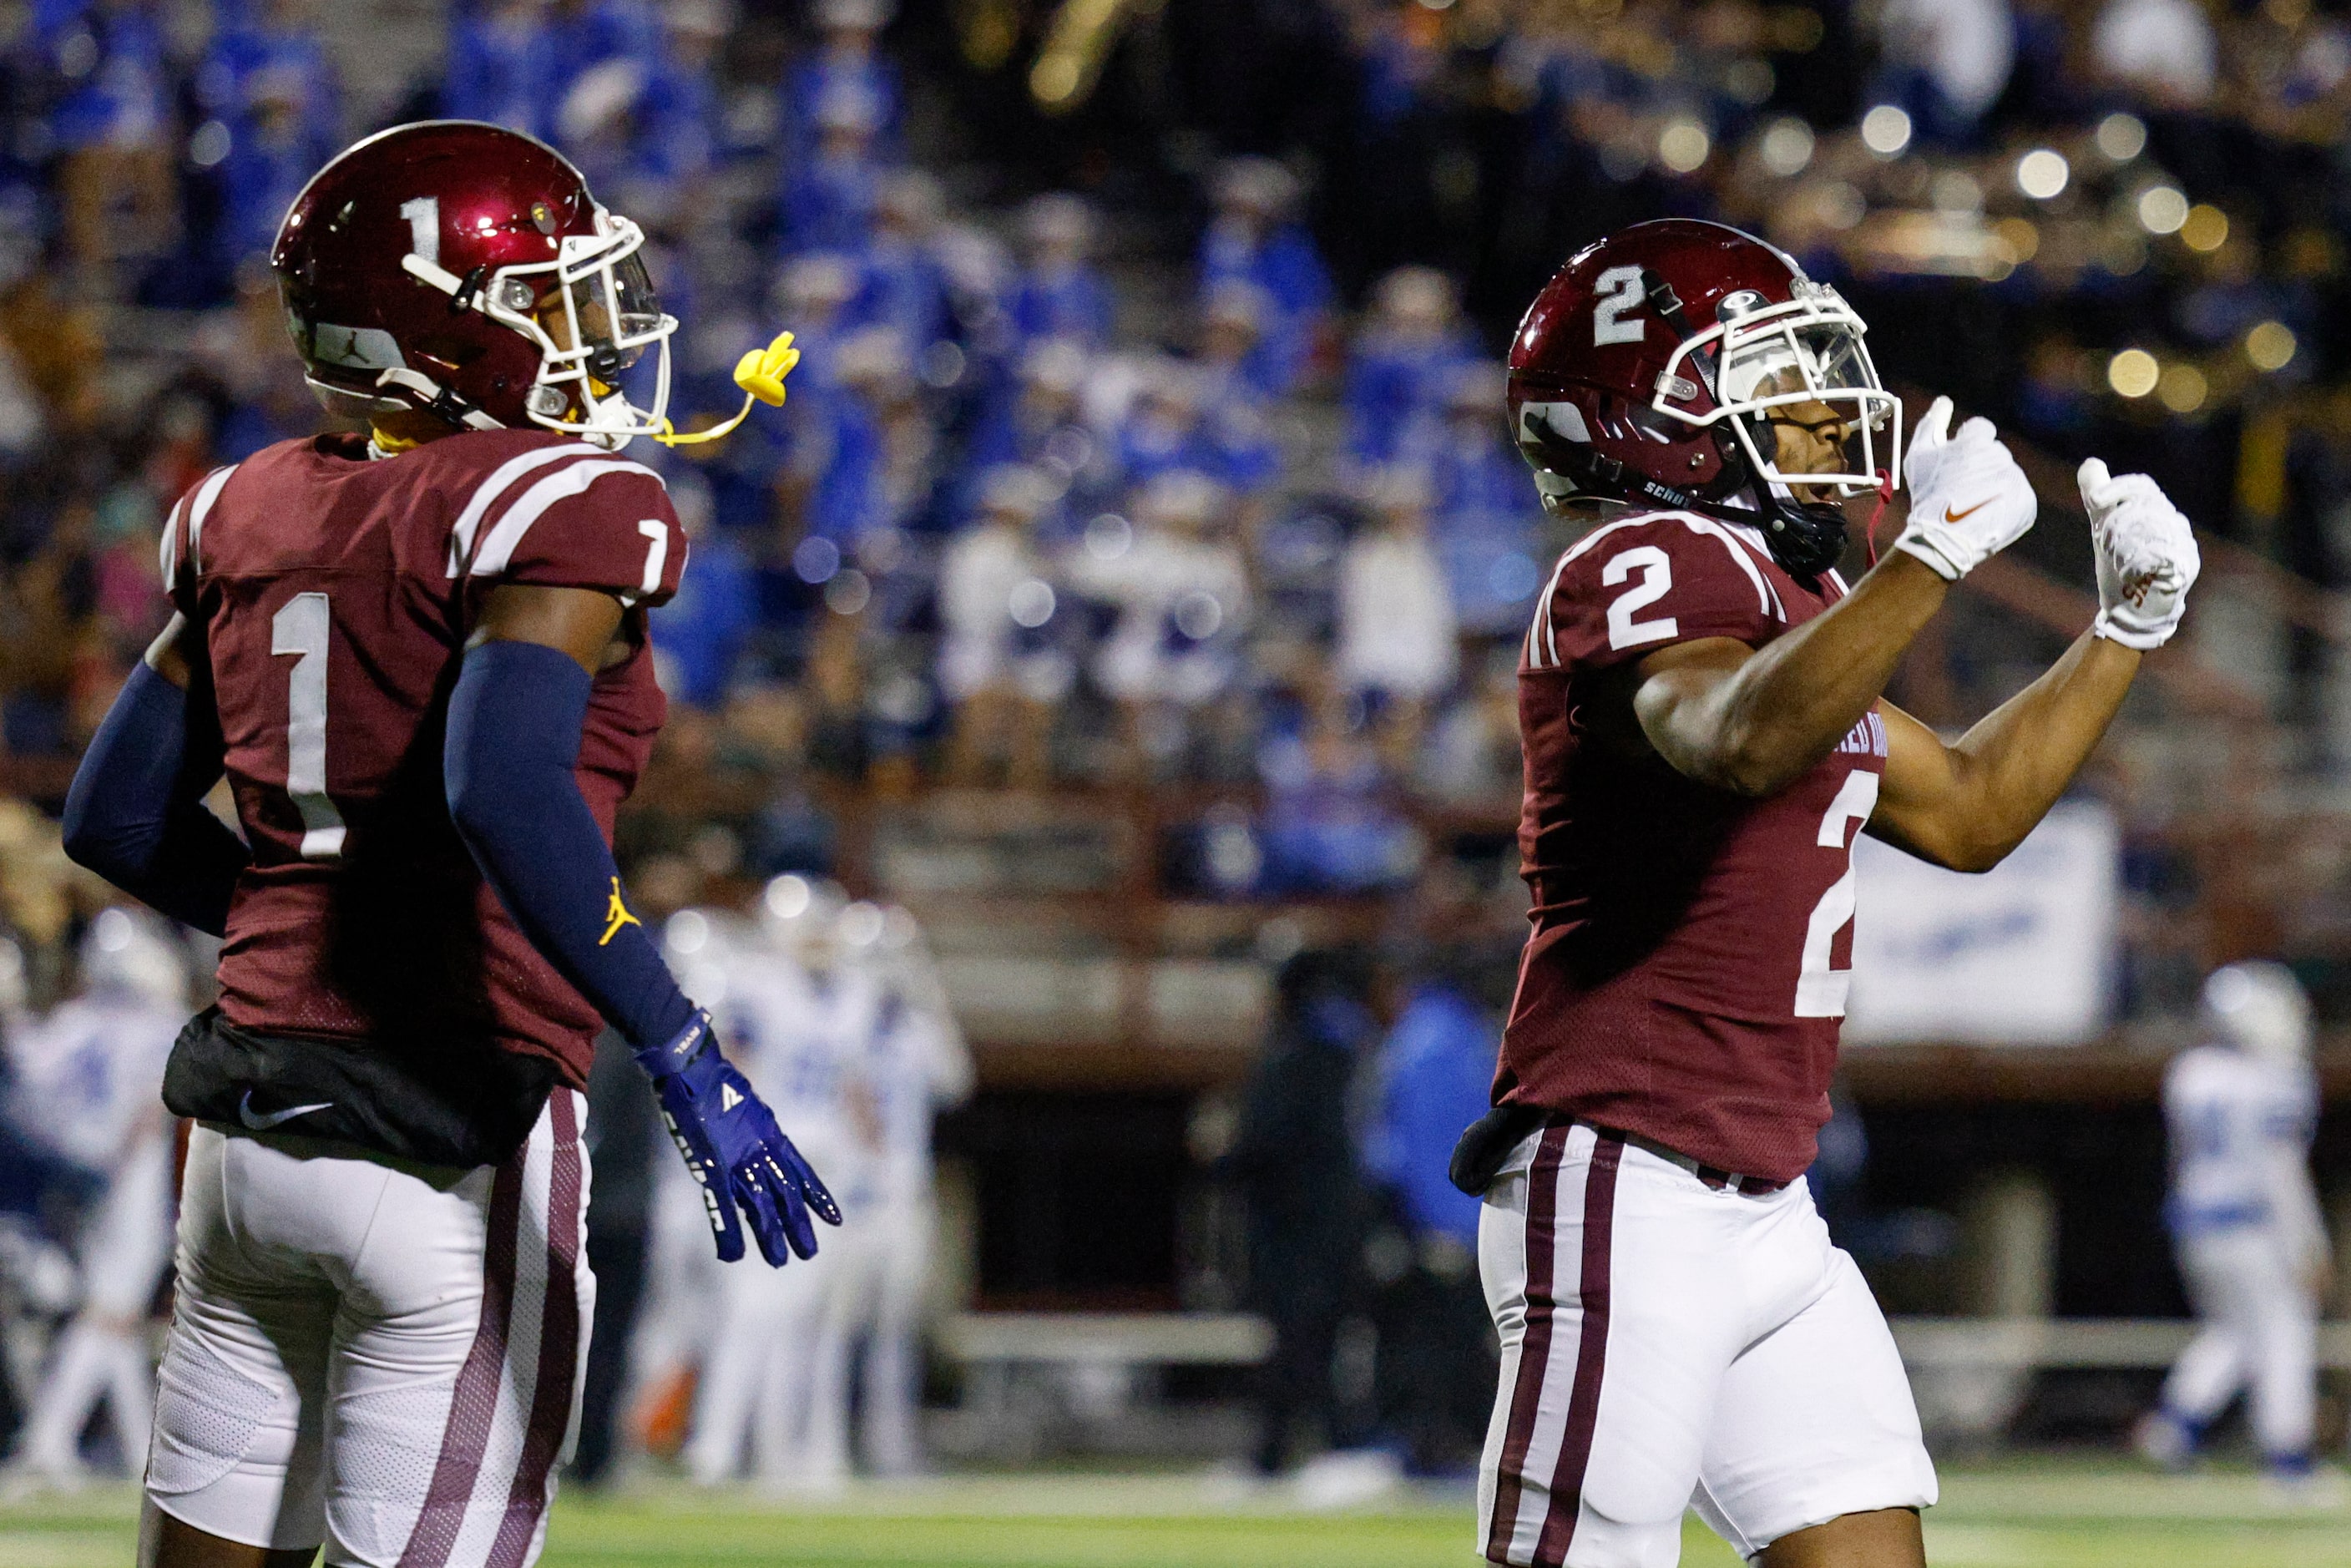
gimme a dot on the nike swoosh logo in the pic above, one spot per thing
(1951, 516)
(262, 1121)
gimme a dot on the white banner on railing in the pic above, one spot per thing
(2023, 955)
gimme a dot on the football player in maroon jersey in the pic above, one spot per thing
(419, 657)
(1701, 711)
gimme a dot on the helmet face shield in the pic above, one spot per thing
(1801, 363)
(617, 314)
(597, 315)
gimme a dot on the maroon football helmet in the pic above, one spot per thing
(1649, 368)
(424, 269)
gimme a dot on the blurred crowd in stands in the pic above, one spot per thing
(1149, 427)
(1148, 437)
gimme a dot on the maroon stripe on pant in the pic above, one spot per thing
(559, 1346)
(1534, 1344)
(1591, 1356)
(474, 1404)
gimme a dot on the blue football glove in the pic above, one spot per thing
(734, 1149)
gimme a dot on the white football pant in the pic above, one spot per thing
(102, 1354)
(1668, 1346)
(2260, 1334)
(891, 1384)
(381, 1357)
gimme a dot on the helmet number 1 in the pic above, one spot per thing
(301, 627)
(423, 215)
(1619, 293)
(1820, 990)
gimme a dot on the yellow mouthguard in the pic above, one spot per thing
(760, 373)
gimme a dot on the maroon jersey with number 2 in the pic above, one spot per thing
(335, 590)
(1690, 952)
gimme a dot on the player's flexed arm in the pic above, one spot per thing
(1754, 722)
(515, 725)
(1967, 804)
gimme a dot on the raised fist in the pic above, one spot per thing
(2148, 558)
(1969, 499)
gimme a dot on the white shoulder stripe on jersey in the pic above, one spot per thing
(503, 478)
(170, 549)
(200, 507)
(498, 548)
(1766, 600)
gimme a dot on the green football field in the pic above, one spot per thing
(2022, 1514)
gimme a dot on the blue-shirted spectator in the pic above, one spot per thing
(700, 634)
(867, 454)
(273, 151)
(1233, 315)
(679, 118)
(1060, 294)
(900, 284)
(829, 197)
(844, 70)
(585, 33)
(1486, 526)
(1040, 424)
(276, 115)
(1257, 238)
(1403, 361)
(1436, 1075)
(114, 123)
(1160, 433)
(1170, 427)
(597, 127)
(640, 109)
(1434, 1072)
(277, 40)
(1329, 827)
(504, 66)
(813, 294)
(109, 56)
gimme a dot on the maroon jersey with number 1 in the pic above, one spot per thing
(336, 591)
(1692, 947)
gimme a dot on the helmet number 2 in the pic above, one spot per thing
(1619, 293)
(1820, 990)
(301, 627)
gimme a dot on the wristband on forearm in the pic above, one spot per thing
(514, 724)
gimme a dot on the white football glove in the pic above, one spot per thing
(2148, 558)
(1968, 500)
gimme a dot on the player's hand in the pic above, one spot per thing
(734, 1149)
(2148, 558)
(1968, 500)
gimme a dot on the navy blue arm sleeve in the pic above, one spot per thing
(514, 722)
(135, 814)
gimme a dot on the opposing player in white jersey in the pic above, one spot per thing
(918, 1064)
(796, 1020)
(88, 1087)
(2242, 1110)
